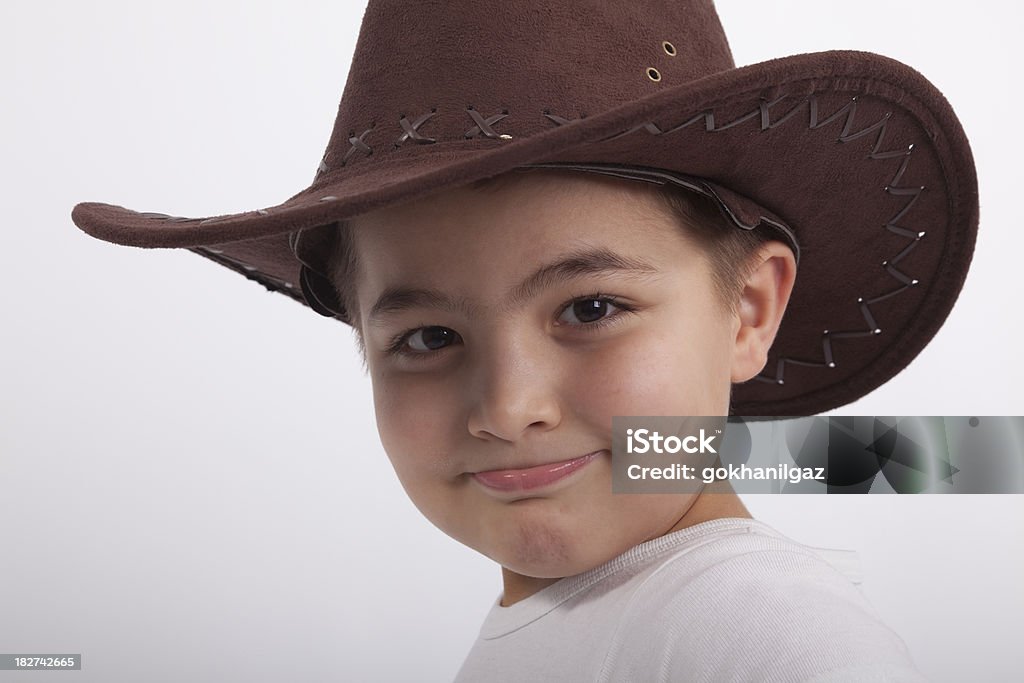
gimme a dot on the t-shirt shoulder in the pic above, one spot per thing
(740, 598)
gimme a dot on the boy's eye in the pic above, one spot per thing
(587, 310)
(427, 339)
(589, 313)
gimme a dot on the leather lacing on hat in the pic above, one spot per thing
(311, 246)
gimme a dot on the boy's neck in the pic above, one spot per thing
(724, 503)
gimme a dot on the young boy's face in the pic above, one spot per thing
(512, 375)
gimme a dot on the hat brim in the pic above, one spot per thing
(859, 154)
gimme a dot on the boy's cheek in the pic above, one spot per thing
(660, 374)
(407, 412)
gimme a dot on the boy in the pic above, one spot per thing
(502, 439)
(495, 411)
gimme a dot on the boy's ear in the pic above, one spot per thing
(761, 305)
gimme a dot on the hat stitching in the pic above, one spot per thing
(558, 119)
(412, 130)
(483, 126)
(893, 188)
(848, 134)
(708, 115)
(357, 144)
(815, 122)
(323, 165)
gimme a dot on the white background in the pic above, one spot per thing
(191, 483)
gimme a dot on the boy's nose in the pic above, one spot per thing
(512, 394)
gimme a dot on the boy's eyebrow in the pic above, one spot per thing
(571, 265)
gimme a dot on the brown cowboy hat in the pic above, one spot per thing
(855, 159)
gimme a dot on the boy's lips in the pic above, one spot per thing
(535, 477)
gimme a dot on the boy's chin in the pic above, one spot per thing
(551, 552)
(555, 568)
(551, 538)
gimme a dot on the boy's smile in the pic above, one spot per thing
(504, 328)
(524, 479)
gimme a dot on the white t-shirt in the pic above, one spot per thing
(725, 600)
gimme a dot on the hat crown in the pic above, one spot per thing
(468, 72)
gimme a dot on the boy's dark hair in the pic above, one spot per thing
(730, 250)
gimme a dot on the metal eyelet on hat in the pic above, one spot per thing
(653, 74)
(669, 48)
